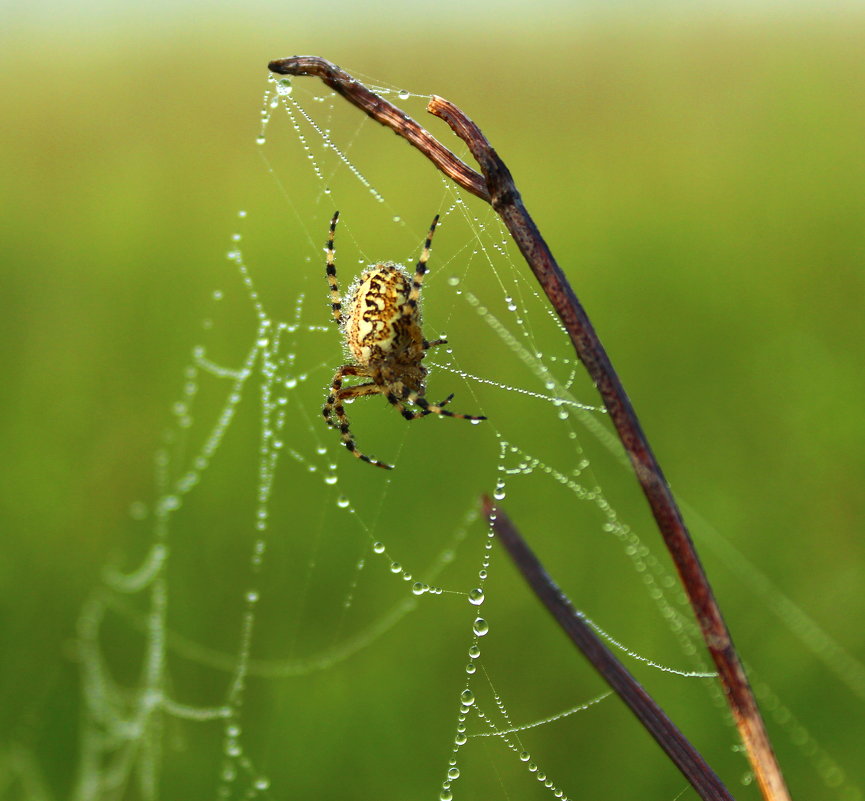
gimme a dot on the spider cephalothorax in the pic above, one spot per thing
(381, 325)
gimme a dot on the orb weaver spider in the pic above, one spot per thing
(380, 321)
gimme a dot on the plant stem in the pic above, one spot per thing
(680, 751)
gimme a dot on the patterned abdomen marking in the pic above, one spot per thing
(375, 322)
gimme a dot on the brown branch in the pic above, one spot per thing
(680, 751)
(387, 114)
(497, 187)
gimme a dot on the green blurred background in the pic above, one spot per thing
(699, 173)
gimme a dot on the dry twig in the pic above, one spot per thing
(680, 751)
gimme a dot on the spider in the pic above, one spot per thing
(381, 328)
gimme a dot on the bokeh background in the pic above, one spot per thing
(700, 174)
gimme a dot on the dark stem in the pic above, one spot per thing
(387, 114)
(683, 755)
(497, 187)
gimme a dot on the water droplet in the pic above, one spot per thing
(446, 795)
(453, 280)
(397, 218)
(283, 86)
(395, 567)
(525, 756)
(480, 627)
(475, 422)
(467, 697)
(252, 596)
(460, 739)
(378, 547)
(232, 730)
(138, 510)
(474, 652)
(470, 668)
(331, 480)
(476, 596)
(419, 588)
(260, 140)
(342, 502)
(169, 503)
(290, 382)
(403, 94)
(453, 773)
(262, 783)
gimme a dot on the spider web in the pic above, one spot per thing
(278, 600)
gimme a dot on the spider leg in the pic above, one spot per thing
(420, 271)
(347, 393)
(408, 414)
(441, 341)
(330, 269)
(436, 408)
(359, 390)
(333, 408)
(445, 402)
(336, 391)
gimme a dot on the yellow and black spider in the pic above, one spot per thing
(380, 321)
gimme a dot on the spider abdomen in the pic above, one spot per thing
(378, 325)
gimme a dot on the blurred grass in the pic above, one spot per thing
(701, 181)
